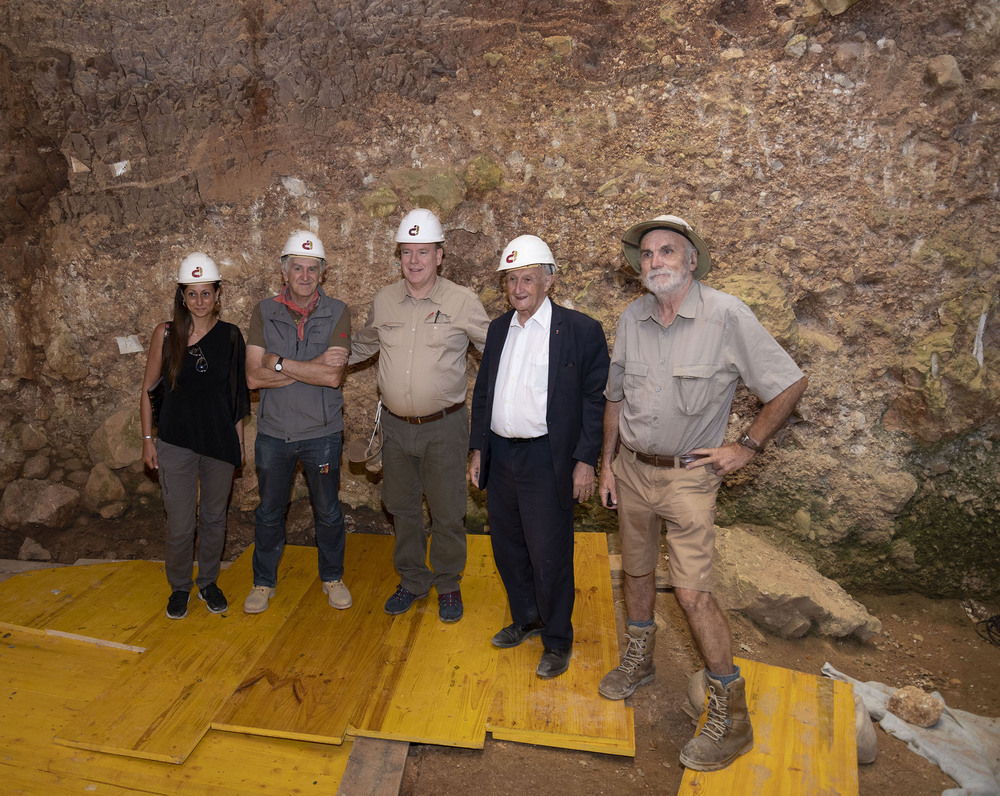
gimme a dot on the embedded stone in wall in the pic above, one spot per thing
(28, 502)
(118, 441)
(103, 488)
(945, 73)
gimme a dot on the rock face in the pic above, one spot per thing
(787, 597)
(838, 157)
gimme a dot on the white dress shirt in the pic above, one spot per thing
(522, 388)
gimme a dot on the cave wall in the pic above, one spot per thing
(839, 159)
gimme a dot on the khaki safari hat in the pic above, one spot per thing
(630, 242)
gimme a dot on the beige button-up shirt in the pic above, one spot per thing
(421, 345)
(678, 381)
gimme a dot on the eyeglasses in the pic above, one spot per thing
(201, 365)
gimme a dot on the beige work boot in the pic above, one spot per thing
(636, 667)
(256, 601)
(726, 733)
(338, 593)
(697, 690)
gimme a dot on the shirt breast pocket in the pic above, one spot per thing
(636, 376)
(695, 390)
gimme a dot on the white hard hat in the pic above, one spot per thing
(304, 244)
(197, 269)
(420, 226)
(631, 239)
(524, 251)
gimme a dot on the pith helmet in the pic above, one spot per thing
(630, 242)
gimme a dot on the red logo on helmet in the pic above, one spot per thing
(197, 272)
(307, 245)
(512, 257)
(413, 231)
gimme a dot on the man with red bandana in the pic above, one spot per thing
(297, 349)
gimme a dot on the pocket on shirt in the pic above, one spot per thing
(390, 334)
(636, 376)
(695, 387)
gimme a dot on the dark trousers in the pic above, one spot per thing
(532, 537)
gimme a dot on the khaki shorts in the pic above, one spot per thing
(685, 501)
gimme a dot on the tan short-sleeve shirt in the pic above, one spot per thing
(422, 344)
(678, 381)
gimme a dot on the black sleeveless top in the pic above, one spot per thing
(201, 411)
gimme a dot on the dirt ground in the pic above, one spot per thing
(929, 643)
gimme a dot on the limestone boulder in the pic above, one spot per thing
(103, 488)
(916, 706)
(784, 595)
(117, 442)
(28, 502)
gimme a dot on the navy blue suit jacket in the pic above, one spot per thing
(578, 374)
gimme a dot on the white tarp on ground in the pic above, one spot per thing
(963, 745)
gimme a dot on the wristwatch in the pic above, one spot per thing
(746, 442)
(277, 365)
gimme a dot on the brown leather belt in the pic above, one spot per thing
(418, 421)
(658, 460)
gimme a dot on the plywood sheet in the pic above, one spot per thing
(804, 738)
(114, 601)
(322, 661)
(435, 682)
(568, 711)
(164, 701)
(44, 680)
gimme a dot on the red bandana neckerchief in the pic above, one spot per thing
(301, 314)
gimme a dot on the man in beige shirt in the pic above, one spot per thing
(679, 352)
(421, 328)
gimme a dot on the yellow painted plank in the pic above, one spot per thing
(164, 701)
(44, 680)
(107, 601)
(322, 661)
(435, 684)
(804, 739)
(568, 711)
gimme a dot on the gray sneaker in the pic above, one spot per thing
(338, 594)
(256, 601)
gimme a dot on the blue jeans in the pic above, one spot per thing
(276, 461)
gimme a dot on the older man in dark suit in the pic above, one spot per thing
(537, 413)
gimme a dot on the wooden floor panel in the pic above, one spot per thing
(114, 602)
(165, 701)
(804, 739)
(567, 711)
(323, 660)
(435, 684)
(44, 680)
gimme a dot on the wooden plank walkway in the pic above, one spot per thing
(45, 679)
(322, 662)
(165, 700)
(804, 739)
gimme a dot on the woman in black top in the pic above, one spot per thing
(200, 428)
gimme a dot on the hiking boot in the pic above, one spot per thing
(177, 605)
(513, 635)
(401, 601)
(697, 690)
(450, 606)
(338, 594)
(726, 733)
(636, 667)
(213, 598)
(256, 601)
